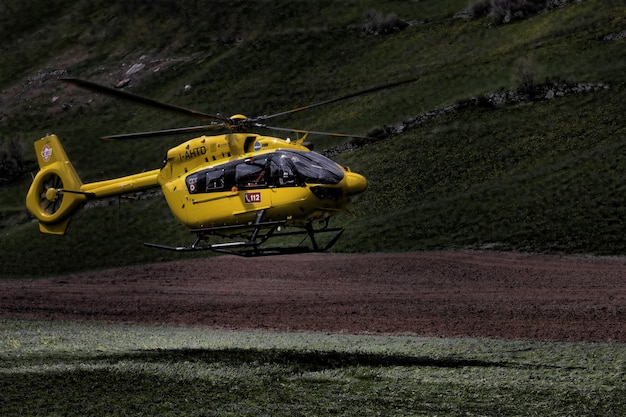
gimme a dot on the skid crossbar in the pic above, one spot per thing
(253, 237)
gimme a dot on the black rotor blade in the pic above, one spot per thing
(164, 132)
(48, 206)
(98, 88)
(334, 100)
(312, 132)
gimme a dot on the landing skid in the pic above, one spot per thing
(254, 236)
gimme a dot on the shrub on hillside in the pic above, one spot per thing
(505, 11)
(525, 75)
(477, 9)
(12, 164)
(378, 24)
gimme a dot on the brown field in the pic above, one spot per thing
(443, 294)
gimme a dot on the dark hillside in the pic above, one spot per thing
(511, 138)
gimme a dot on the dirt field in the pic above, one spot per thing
(464, 293)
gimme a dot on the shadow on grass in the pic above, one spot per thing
(121, 384)
(313, 360)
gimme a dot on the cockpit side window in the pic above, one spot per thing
(283, 168)
(252, 174)
(283, 173)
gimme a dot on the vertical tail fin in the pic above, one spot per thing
(55, 192)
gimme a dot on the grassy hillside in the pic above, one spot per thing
(543, 176)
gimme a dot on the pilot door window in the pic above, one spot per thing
(252, 174)
(282, 171)
(274, 171)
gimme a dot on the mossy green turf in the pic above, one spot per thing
(541, 177)
(67, 369)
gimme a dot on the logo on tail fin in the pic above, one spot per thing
(46, 153)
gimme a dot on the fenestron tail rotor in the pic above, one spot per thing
(50, 197)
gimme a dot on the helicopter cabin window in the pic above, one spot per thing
(215, 180)
(252, 173)
(206, 181)
(279, 169)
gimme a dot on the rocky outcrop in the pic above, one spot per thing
(548, 91)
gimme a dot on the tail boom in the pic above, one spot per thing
(57, 191)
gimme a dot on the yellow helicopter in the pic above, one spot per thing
(238, 188)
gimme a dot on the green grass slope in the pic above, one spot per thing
(543, 176)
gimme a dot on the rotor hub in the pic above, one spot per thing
(238, 118)
(52, 194)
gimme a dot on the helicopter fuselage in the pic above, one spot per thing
(209, 181)
(227, 179)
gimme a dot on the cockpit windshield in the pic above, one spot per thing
(313, 167)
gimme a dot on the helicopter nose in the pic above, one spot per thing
(355, 184)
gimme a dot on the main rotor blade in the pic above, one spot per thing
(312, 132)
(98, 88)
(334, 100)
(164, 132)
